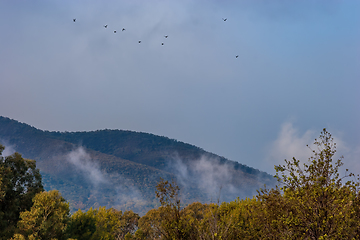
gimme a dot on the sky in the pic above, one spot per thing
(297, 72)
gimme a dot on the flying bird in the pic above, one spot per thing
(105, 26)
(162, 43)
(114, 31)
(224, 19)
(237, 56)
(74, 19)
(166, 36)
(139, 41)
(123, 29)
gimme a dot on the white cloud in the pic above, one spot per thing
(289, 143)
(292, 143)
(82, 161)
(208, 175)
(103, 181)
(9, 149)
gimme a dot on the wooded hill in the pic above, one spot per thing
(120, 169)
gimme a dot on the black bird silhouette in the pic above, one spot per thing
(162, 43)
(114, 31)
(123, 29)
(237, 56)
(74, 19)
(105, 26)
(166, 36)
(139, 41)
(224, 19)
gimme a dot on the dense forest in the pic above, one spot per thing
(121, 169)
(311, 201)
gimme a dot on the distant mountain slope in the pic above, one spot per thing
(120, 169)
(144, 148)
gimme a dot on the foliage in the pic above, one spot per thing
(47, 218)
(315, 203)
(128, 225)
(150, 225)
(19, 182)
(173, 225)
(312, 201)
(102, 223)
(82, 225)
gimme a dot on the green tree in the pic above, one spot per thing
(168, 195)
(82, 225)
(237, 219)
(166, 222)
(47, 218)
(107, 222)
(128, 225)
(20, 181)
(102, 223)
(194, 214)
(150, 226)
(313, 202)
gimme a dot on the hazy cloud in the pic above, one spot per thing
(9, 149)
(113, 183)
(292, 143)
(289, 143)
(208, 174)
(82, 161)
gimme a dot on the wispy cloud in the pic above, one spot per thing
(292, 143)
(9, 149)
(82, 161)
(212, 178)
(120, 190)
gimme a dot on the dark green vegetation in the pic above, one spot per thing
(121, 169)
(313, 202)
(20, 181)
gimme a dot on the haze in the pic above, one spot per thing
(297, 72)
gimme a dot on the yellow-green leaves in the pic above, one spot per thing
(47, 217)
(316, 204)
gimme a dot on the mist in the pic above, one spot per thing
(101, 182)
(294, 142)
(9, 149)
(215, 180)
(83, 162)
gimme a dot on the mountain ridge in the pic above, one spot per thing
(125, 162)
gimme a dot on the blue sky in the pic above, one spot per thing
(298, 71)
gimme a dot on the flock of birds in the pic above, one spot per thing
(123, 29)
(166, 36)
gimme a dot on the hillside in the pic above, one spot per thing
(117, 168)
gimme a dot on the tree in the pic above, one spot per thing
(47, 218)
(20, 181)
(194, 215)
(239, 219)
(173, 221)
(107, 223)
(168, 195)
(82, 225)
(128, 225)
(314, 202)
(150, 226)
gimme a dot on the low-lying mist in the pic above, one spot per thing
(105, 189)
(213, 180)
